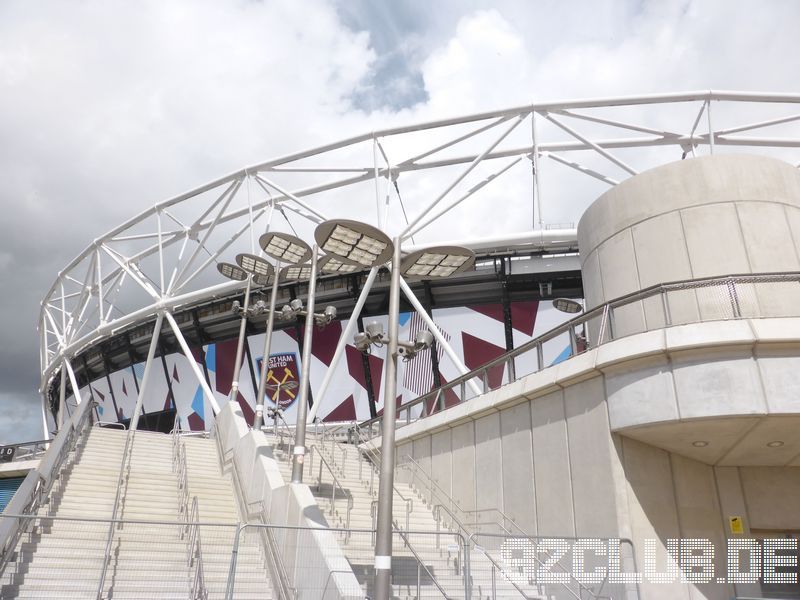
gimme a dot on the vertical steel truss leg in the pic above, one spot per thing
(73, 381)
(437, 334)
(151, 352)
(193, 363)
(346, 335)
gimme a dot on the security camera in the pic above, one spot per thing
(286, 312)
(236, 308)
(296, 305)
(374, 331)
(362, 342)
(423, 339)
(330, 313)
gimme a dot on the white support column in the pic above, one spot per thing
(448, 349)
(537, 189)
(73, 381)
(62, 404)
(45, 429)
(346, 335)
(193, 363)
(710, 127)
(376, 178)
(151, 352)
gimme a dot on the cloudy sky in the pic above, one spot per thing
(107, 106)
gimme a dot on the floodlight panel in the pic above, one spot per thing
(296, 272)
(261, 279)
(567, 305)
(354, 242)
(437, 262)
(419, 270)
(254, 264)
(431, 259)
(232, 271)
(285, 248)
(333, 264)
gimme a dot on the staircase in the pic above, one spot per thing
(64, 556)
(335, 465)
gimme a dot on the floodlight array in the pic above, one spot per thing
(285, 248)
(296, 272)
(332, 264)
(436, 262)
(254, 264)
(232, 271)
(355, 246)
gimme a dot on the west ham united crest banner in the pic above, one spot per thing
(283, 379)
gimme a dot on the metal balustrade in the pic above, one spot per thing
(335, 485)
(448, 514)
(37, 486)
(655, 307)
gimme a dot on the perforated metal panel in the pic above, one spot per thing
(8, 488)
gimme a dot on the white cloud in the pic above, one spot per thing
(108, 106)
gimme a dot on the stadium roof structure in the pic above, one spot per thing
(497, 182)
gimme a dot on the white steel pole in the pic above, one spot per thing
(346, 335)
(151, 352)
(45, 429)
(298, 454)
(237, 364)
(62, 395)
(74, 381)
(258, 420)
(383, 539)
(193, 363)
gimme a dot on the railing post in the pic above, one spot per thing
(539, 357)
(232, 569)
(665, 307)
(610, 322)
(734, 298)
(467, 569)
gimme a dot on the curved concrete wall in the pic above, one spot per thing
(703, 217)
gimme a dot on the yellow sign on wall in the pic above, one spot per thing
(736, 524)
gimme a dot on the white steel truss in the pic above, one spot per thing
(165, 257)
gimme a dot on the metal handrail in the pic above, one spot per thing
(124, 462)
(605, 313)
(464, 532)
(194, 550)
(110, 425)
(277, 568)
(463, 527)
(336, 484)
(374, 457)
(496, 565)
(503, 515)
(42, 480)
(277, 432)
(420, 562)
(29, 450)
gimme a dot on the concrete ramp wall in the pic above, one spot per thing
(309, 552)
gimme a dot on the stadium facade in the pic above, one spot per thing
(644, 446)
